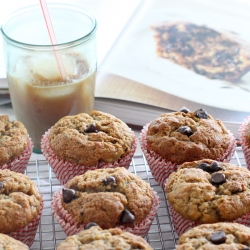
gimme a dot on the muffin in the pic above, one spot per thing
(111, 197)
(216, 236)
(96, 238)
(84, 142)
(8, 243)
(15, 145)
(244, 136)
(208, 191)
(21, 206)
(184, 136)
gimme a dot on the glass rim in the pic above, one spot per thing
(49, 46)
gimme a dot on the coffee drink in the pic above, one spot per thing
(40, 97)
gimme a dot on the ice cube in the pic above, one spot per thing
(59, 91)
(45, 69)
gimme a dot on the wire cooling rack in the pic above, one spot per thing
(49, 234)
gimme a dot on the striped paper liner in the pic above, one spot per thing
(181, 225)
(161, 169)
(19, 164)
(27, 234)
(71, 226)
(244, 144)
(65, 170)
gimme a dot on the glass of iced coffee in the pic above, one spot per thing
(39, 94)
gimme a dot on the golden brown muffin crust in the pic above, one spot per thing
(20, 201)
(13, 139)
(9, 243)
(192, 194)
(209, 139)
(104, 203)
(70, 140)
(96, 238)
(237, 237)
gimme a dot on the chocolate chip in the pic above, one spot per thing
(238, 143)
(235, 191)
(1, 185)
(204, 167)
(215, 166)
(91, 224)
(218, 178)
(91, 128)
(185, 130)
(68, 195)
(184, 110)
(127, 217)
(201, 113)
(218, 237)
(109, 180)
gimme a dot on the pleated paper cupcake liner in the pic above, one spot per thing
(27, 234)
(20, 163)
(181, 225)
(244, 144)
(65, 170)
(161, 169)
(71, 226)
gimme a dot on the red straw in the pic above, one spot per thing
(52, 36)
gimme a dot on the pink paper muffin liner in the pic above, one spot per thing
(19, 164)
(181, 225)
(65, 170)
(161, 169)
(71, 226)
(244, 144)
(27, 234)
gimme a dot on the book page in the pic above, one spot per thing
(183, 53)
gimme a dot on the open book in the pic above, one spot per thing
(179, 53)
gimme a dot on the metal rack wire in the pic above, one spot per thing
(49, 234)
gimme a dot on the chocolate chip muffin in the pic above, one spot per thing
(20, 201)
(178, 137)
(207, 191)
(8, 243)
(187, 136)
(96, 238)
(109, 197)
(15, 145)
(13, 140)
(216, 236)
(78, 143)
(88, 139)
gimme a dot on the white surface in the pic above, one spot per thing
(111, 15)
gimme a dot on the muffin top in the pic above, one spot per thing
(187, 136)
(108, 197)
(9, 243)
(87, 139)
(208, 191)
(13, 139)
(20, 201)
(216, 236)
(96, 238)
